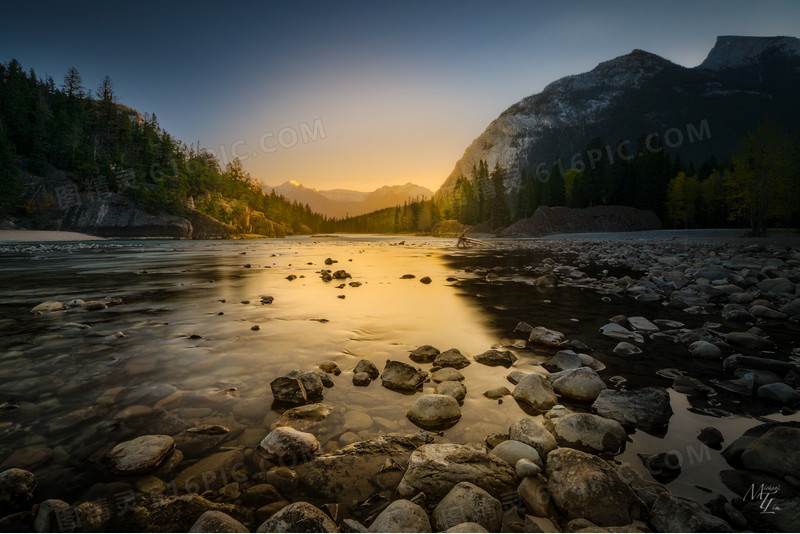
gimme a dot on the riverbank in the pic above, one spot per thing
(44, 236)
(581, 376)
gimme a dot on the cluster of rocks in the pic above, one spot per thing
(75, 305)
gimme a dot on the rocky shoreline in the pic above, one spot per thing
(554, 470)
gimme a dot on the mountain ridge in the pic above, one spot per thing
(346, 202)
(637, 94)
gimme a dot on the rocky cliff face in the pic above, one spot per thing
(562, 220)
(114, 216)
(742, 81)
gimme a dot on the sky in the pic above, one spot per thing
(354, 95)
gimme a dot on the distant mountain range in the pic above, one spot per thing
(345, 202)
(701, 111)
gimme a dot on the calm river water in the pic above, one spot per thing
(183, 341)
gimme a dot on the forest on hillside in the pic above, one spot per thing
(56, 135)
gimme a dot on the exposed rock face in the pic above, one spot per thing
(585, 486)
(205, 227)
(434, 469)
(560, 121)
(563, 220)
(115, 216)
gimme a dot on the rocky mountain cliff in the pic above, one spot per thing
(699, 111)
(344, 202)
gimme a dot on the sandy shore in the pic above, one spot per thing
(35, 236)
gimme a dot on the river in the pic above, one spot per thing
(184, 339)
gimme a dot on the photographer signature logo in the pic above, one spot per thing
(763, 493)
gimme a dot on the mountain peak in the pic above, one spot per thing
(733, 51)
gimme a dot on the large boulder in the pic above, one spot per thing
(774, 286)
(140, 455)
(288, 390)
(512, 451)
(401, 516)
(534, 434)
(214, 521)
(434, 469)
(495, 357)
(357, 471)
(16, 489)
(775, 452)
(546, 337)
(587, 432)
(582, 384)
(299, 517)
(563, 360)
(615, 331)
(585, 486)
(288, 445)
(434, 411)
(648, 408)
(401, 376)
(535, 391)
(467, 503)
(671, 513)
(451, 358)
(424, 354)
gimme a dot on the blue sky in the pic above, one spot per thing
(399, 89)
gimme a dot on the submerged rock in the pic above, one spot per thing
(705, 350)
(140, 455)
(454, 388)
